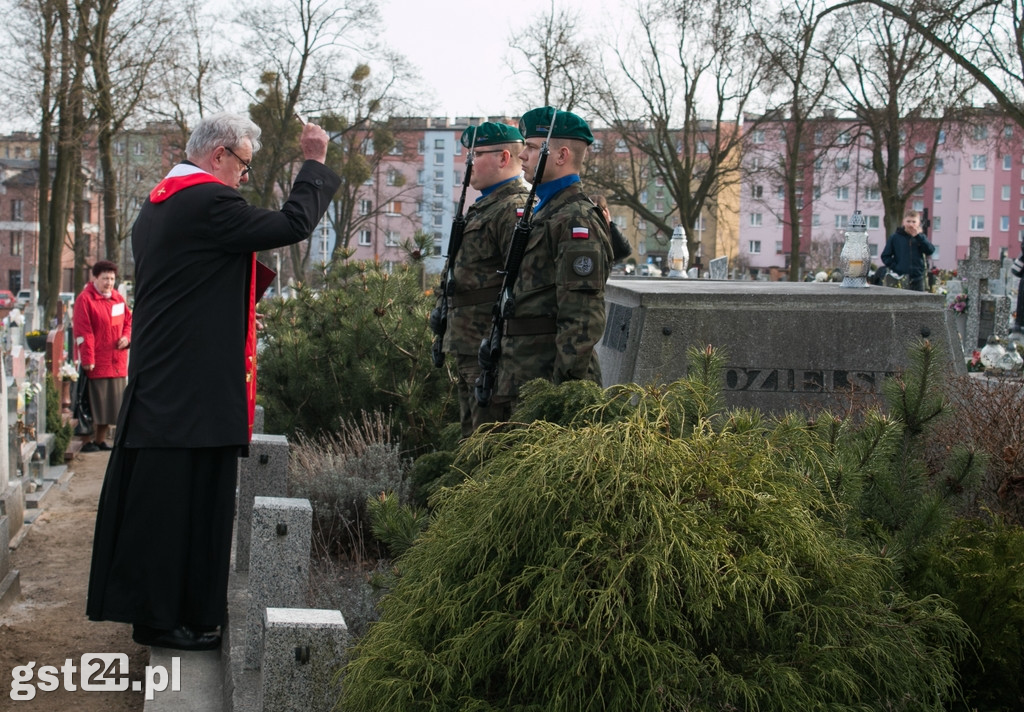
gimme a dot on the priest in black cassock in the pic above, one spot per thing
(163, 529)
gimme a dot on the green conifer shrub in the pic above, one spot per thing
(653, 555)
(361, 343)
(55, 424)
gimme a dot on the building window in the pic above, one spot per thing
(659, 206)
(1008, 131)
(873, 249)
(1007, 162)
(364, 237)
(621, 147)
(936, 223)
(438, 144)
(394, 177)
(17, 210)
(818, 163)
(980, 133)
(755, 219)
(937, 195)
(757, 136)
(919, 162)
(1004, 223)
(920, 147)
(420, 175)
(979, 162)
(778, 247)
(842, 193)
(842, 221)
(842, 163)
(16, 241)
(438, 219)
(394, 208)
(368, 147)
(844, 138)
(702, 147)
(1005, 192)
(918, 205)
(438, 159)
(119, 148)
(815, 219)
(756, 191)
(977, 192)
(977, 222)
(438, 189)
(596, 146)
(873, 222)
(940, 165)
(392, 238)
(421, 146)
(140, 150)
(755, 247)
(872, 194)
(138, 176)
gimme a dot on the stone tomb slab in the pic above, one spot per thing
(789, 345)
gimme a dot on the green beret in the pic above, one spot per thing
(568, 125)
(489, 133)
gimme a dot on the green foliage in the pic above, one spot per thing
(55, 424)
(642, 560)
(362, 343)
(982, 572)
(339, 474)
(395, 524)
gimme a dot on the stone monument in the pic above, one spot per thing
(788, 345)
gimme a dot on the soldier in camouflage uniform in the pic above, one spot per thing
(477, 279)
(559, 295)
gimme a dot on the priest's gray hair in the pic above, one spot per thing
(223, 129)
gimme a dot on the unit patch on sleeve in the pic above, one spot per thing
(581, 233)
(583, 265)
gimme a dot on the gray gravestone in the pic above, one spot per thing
(719, 268)
(257, 420)
(263, 474)
(976, 271)
(788, 345)
(282, 531)
(302, 651)
(10, 583)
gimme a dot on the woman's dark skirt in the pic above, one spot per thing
(162, 547)
(105, 399)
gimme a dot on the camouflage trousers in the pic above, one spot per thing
(471, 414)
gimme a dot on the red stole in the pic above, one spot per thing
(250, 345)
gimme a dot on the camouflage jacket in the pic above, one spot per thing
(559, 296)
(489, 225)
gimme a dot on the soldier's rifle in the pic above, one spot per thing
(439, 315)
(505, 306)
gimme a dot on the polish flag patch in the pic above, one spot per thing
(581, 233)
(519, 212)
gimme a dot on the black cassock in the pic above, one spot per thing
(163, 528)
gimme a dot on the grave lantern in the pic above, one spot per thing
(678, 255)
(855, 258)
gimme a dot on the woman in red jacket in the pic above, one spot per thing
(103, 330)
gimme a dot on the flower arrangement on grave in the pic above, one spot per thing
(36, 340)
(959, 304)
(68, 372)
(974, 364)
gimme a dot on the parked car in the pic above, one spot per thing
(6, 299)
(22, 300)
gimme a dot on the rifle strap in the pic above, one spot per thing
(474, 297)
(530, 326)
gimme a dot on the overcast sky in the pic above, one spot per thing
(460, 49)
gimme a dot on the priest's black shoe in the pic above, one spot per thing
(181, 638)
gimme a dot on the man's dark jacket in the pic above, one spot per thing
(904, 253)
(193, 256)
